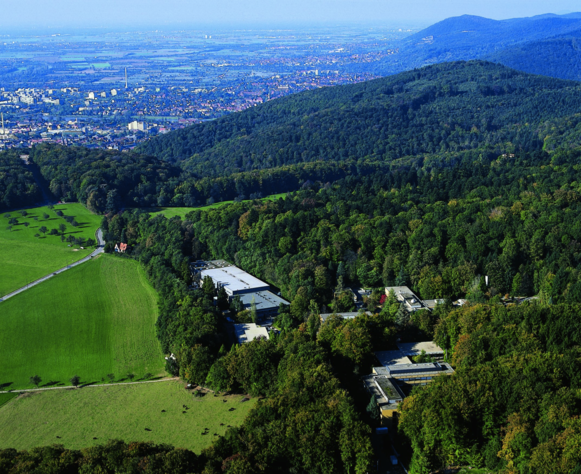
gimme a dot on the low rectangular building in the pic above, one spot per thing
(267, 303)
(249, 332)
(234, 280)
(431, 304)
(348, 315)
(387, 395)
(418, 374)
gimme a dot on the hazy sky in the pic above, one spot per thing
(19, 13)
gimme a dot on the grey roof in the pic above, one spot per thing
(432, 368)
(411, 349)
(386, 393)
(433, 303)
(386, 358)
(264, 300)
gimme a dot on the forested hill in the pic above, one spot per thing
(442, 108)
(470, 37)
(555, 57)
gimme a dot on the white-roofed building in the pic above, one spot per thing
(249, 332)
(234, 280)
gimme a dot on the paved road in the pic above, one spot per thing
(100, 249)
(69, 387)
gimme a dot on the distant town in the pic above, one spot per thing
(113, 90)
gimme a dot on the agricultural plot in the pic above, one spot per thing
(93, 320)
(28, 252)
(142, 412)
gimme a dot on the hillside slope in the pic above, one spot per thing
(470, 37)
(556, 57)
(441, 108)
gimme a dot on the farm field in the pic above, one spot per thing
(92, 320)
(170, 212)
(118, 412)
(25, 258)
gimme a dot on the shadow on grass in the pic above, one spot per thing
(81, 385)
(52, 383)
(4, 386)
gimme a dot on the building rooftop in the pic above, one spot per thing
(233, 279)
(387, 394)
(349, 315)
(431, 304)
(386, 358)
(411, 349)
(431, 368)
(264, 300)
(249, 331)
(406, 296)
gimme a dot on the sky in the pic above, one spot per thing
(17, 14)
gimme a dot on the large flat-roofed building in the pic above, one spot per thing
(267, 303)
(249, 332)
(234, 280)
(412, 349)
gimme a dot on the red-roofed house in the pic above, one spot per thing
(121, 247)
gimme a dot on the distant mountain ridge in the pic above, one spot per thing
(470, 37)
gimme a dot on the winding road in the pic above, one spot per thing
(99, 250)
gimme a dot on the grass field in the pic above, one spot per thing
(118, 412)
(6, 397)
(95, 319)
(170, 212)
(25, 258)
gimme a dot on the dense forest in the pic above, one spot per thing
(438, 109)
(17, 185)
(105, 180)
(556, 57)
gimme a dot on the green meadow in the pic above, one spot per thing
(25, 258)
(170, 212)
(127, 412)
(92, 320)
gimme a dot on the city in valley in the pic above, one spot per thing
(112, 90)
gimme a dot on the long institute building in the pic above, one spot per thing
(237, 282)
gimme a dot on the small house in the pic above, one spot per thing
(120, 247)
